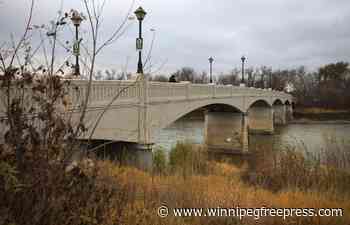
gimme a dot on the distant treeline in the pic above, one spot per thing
(328, 87)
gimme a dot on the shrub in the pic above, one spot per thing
(159, 161)
(188, 159)
(294, 169)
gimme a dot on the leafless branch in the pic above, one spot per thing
(108, 106)
(149, 54)
(25, 32)
(20, 65)
(160, 67)
(94, 26)
(44, 49)
(101, 146)
(116, 34)
(92, 67)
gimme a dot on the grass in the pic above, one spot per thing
(222, 187)
(293, 180)
(110, 193)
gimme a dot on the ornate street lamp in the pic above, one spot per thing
(76, 19)
(242, 80)
(211, 60)
(140, 15)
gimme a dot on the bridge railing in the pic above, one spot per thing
(102, 92)
(177, 91)
(164, 91)
(200, 91)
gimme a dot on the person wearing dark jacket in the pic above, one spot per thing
(172, 79)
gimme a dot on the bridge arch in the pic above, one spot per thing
(170, 113)
(260, 103)
(278, 102)
(218, 107)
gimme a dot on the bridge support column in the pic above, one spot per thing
(245, 133)
(289, 112)
(144, 157)
(279, 114)
(261, 120)
(226, 131)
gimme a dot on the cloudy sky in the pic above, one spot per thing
(277, 33)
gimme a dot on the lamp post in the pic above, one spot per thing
(140, 14)
(211, 60)
(242, 79)
(76, 19)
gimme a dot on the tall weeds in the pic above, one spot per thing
(188, 159)
(292, 168)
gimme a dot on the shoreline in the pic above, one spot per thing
(321, 116)
(306, 121)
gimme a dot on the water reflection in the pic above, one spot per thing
(304, 137)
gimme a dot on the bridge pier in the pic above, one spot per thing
(144, 156)
(126, 153)
(226, 132)
(261, 119)
(245, 133)
(279, 114)
(289, 112)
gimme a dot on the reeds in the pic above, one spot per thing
(110, 193)
(293, 168)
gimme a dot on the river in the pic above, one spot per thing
(311, 137)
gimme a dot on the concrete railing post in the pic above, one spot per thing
(188, 91)
(143, 128)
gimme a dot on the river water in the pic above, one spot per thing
(309, 137)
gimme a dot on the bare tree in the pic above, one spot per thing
(38, 134)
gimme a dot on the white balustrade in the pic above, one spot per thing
(129, 91)
(102, 92)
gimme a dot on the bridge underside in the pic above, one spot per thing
(226, 127)
(231, 112)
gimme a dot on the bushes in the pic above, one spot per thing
(106, 193)
(184, 158)
(50, 196)
(188, 159)
(159, 161)
(38, 143)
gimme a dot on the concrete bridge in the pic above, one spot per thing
(144, 108)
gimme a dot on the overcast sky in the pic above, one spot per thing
(277, 33)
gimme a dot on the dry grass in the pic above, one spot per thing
(293, 181)
(223, 187)
(112, 194)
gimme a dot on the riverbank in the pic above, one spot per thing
(221, 187)
(190, 180)
(321, 114)
(313, 121)
(107, 193)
